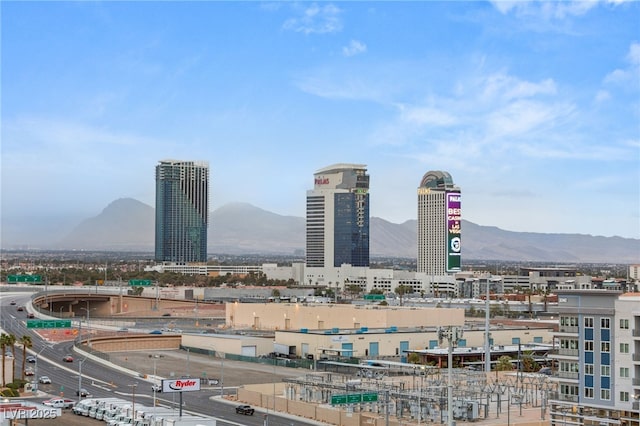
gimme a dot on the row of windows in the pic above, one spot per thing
(605, 394)
(604, 323)
(588, 346)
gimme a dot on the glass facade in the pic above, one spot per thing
(182, 211)
(351, 229)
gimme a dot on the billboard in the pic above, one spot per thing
(180, 385)
(454, 219)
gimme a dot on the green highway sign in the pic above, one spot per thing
(354, 398)
(338, 399)
(48, 323)
(374, 297)
(140, 283)
(369, 397)
(23, 278)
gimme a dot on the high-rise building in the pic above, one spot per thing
(338, 217)
(182, 211)
(439, 219)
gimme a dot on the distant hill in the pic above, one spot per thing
(240, 228)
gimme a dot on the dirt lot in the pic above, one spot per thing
(67, 419)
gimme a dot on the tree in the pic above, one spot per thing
(504, 363)
(529, 364)
(402, 289)
(275, 293)
(26, 343)
(413, 358)
(3, 345)
(11, 341)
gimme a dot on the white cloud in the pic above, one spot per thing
(545, 9)
(355, 47)
(316, 19)
(507, 87)
(602, 96)
(630, 74)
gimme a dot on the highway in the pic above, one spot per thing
(103, 381)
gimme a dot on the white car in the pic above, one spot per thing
(45, 380)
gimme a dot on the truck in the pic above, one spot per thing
(59, 403)
(98, 409)
(180, 421)
(110, 406)
(82, 407)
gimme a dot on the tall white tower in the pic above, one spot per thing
(338, 217)
(439, 219)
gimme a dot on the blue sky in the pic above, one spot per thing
(534, 108)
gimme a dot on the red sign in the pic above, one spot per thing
(322, 181)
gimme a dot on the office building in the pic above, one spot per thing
(597, 362)
(338, 217)
(182, 211)
(439, 219)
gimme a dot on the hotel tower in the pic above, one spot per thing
(439, 221)
(338, 217)
(182, 211)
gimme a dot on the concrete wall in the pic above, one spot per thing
(294, 316)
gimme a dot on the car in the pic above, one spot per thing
(31, 315)
(155, 332)
(29, 371)
(166, 314)
(31, 359)
(67, 358)
(83, 393)
(123, 329)
(247, 410)
(20, 308)
(156, 387)
(546, 371)
(45, 380)
(59, 403)
(13, 302)
(8, 354)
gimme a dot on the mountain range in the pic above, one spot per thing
(240, 228)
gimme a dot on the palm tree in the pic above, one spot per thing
(11, 341)
(3, 347)
(26, 343)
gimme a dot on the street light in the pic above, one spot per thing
(87, 310)
(133, 401)
(80, 379)
(35, 372)
(155, 378)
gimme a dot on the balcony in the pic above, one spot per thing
(636, 382)
(568, 375)
(636, 333)
(636, 357)
(568, 329)
(557, 396)
(568, 352)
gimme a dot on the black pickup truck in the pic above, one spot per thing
(245, 409)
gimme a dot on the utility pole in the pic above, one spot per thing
(452, 334)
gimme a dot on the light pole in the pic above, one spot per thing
(80, 379)
(35, 372)
(133, 402)
(87, 310)
(452, 334)
(155, 378)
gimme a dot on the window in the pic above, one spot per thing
(624, 323)
(605, 394)
(588, 345)
(588, 393)
(624, 396)
(624, 371)
(604, 322)
(605, 370)
(588, 322)
(605, 347)
(588, 369)
(624, 348)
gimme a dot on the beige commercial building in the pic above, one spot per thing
(297, 316)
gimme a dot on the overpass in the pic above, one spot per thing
(76, 304)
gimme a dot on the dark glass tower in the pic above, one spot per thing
(182, 211)
(338, 217)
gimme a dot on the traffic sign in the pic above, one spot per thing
(139, 283)
(48, 323)
(374, 297)
(354, 398)
(369, 397)
(24, 278)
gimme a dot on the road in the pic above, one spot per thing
(102, 381)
